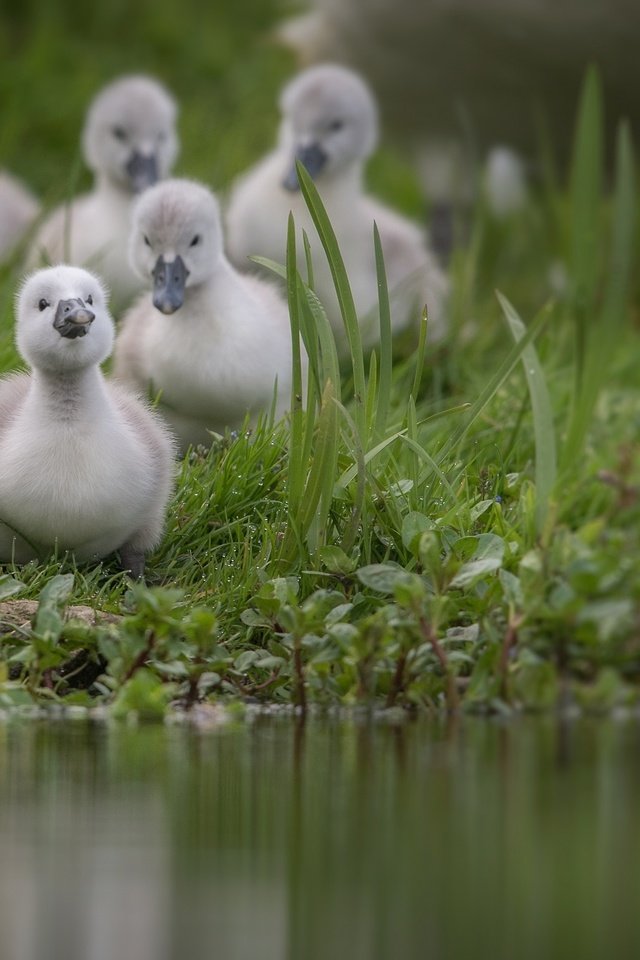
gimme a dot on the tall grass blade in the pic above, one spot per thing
(386, 345)
(420, 353)
(422, 455)
(308, 260)
(343, 291)
(491, 388)
(585, 192)
(296, 468)
(351, 530)
(347, 476)
(609, 321)
(412, 435)
(543, 428)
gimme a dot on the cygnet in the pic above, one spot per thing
(84, 465)
(129, 142)
(330, 124)
(213, 343)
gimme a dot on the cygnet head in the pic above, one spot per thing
(63, 322)
(176, 239)
(329, 122)
(130, 136)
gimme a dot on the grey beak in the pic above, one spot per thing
(73, 318)
(142, 171)
(313, 158)
(168, 284)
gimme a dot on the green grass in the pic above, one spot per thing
(436, 526)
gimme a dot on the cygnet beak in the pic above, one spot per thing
(169, 281)
(142, 170)
(313, 158)
(73, 318)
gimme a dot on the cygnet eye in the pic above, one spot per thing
(43, 304)
(195, 241)
(336, 125)
(89, 300)
(146, 240)
(119, 133)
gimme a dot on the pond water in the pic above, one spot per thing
(473, 838)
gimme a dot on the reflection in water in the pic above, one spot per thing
(472, 839)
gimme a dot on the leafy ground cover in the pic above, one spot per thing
(440, 527)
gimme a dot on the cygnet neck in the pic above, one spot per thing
(112, 191)
(69, 395)
(343, 185)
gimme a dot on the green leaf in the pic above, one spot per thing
(9, 586)
(469, 573)
(382, 577)
(511, 589)
(535, 683)
(413, 525)
(486, 560)
(336, 560)
(48, 621)
(143, 695)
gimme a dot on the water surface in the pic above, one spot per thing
(475, 838)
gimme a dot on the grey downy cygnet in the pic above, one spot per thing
(129, 142)
(213, 343)
(330, 124)
(84, 465)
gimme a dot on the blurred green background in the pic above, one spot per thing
(216, 58)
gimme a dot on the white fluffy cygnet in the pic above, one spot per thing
(129, 142)
(329, 123)
(18, 210)
(211, 341)
(84, 465)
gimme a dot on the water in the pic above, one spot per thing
(476, 839)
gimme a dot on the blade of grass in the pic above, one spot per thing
(308, 260)
(342, 288)
(610, 320)
(386, 347)
(585, 192)
(345, 478)
(351, 530)
(491, 388)
(412, 435)
(420, 354)
(296, 467)
(422, 454)
(318, 490)
(543, 428)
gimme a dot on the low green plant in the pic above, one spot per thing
(457, 527)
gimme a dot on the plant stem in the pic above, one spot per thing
(510, 640)
(453, 699)
(397, 684)
(142, 657)
(300, 692)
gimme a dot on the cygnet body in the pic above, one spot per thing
(211, 341)
(84, 465)
(18, 210)
(129, 142)
(329, 124)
